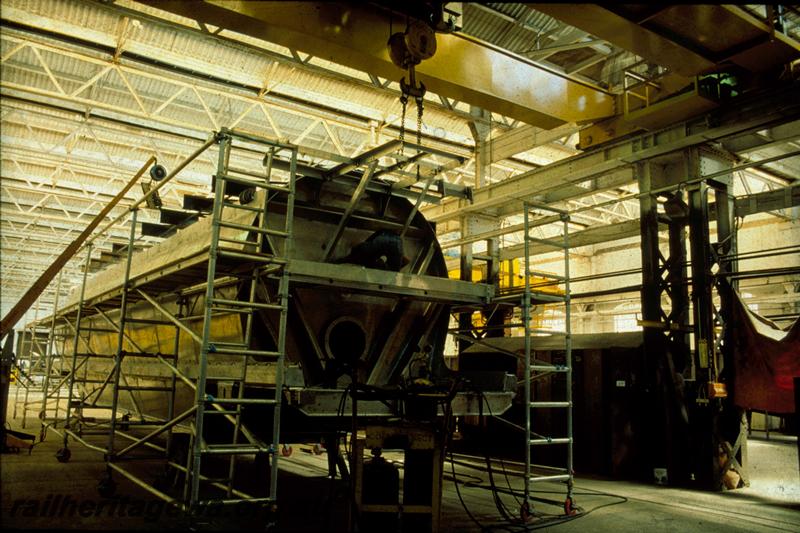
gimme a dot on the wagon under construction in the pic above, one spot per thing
(257, 323)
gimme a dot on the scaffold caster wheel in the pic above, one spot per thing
(107, 487)
(525, 512)
(123, 425)
(286, 451)
(163, 481)
(569, 510)
(318, 449)
(63, 455)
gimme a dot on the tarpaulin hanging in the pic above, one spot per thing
(766, 360)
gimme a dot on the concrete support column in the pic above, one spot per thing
(465, 268)
(480, 129)
(473, 224)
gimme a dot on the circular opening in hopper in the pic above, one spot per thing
(346, 340)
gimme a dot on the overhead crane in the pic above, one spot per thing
(355, 35)
(693, 43)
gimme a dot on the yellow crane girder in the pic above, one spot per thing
(355, 36)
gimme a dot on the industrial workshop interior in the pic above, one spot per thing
(399, 266)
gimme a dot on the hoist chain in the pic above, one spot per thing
(419, 128)
(404, 102)
(419, 121)
(418, 92)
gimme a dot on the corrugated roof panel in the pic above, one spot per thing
(521, 30)
(128, 148)
(336, 94)
(237, 63)
(493, 26)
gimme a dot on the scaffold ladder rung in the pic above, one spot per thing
(557, 477)
(226, 343)
(143, 389)
(549, 368)
(551, 404)
(254, 183)
(247, 305)
(236, 351)
(227, 449)
(244, 256)
(548, 441)
(547, 275)
(545, 331)
(545, 297)
(241, 401)
(244, 227)
(233, 501)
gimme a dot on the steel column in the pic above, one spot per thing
(76, 341)
(120, 353)
(657, 425)
(200, 398)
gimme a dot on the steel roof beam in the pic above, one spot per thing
(749, 117)
(593, 235)
(525, 138)
(747, 205)
(716, 34)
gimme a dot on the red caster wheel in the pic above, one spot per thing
(286, 451)
(106, 487)
(63, 455)
(525, 512)
(569, 510)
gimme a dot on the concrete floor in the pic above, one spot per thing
(33, 484)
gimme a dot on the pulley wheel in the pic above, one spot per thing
(158, 172)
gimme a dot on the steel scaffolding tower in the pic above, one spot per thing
(537, 370)
(553, 290)
(251, 258)
(37, 368)
(30, 356)
(270, 257)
